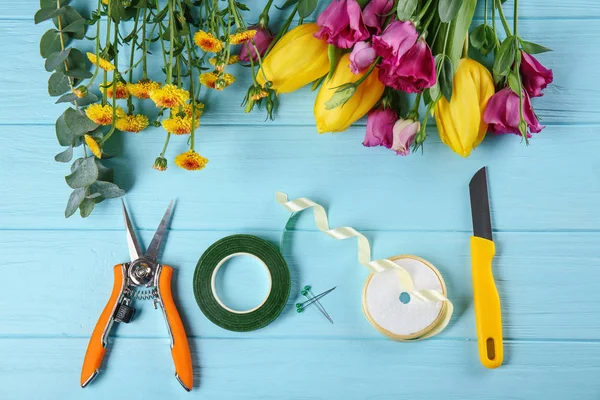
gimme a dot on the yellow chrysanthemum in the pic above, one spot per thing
(242, 37)
(93, 145)
(80, 92)
(217, 81)
(122, 91)
(132, 123)
(179, 124)
(187, 109)
(208, 42)
(232, 60)
(103, 115)
(259, 95)
(191, 161)
(100, 62)
(169, 96)
(142, 88)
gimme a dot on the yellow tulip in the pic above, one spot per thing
(460, 122)
(297, 59)
(366, 95)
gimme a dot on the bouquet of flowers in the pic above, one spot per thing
(361, 55)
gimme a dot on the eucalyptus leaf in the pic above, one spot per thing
(69, 16)
(79, 73)
(505, 56)
(533, 48)
(306, 7)
(55, 59)
(65, 156)
(447, 9)
(84, 174)
(75, 26)
(74, 202)
(52, 3)
(63, 133)
(50, 43)
(86, 207)
(406, 9)
(45, 14)
(58, 83)
(107, 190)
(78, 122)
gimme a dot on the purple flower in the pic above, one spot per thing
(342, 24)
(362, 57)
(395, 40)
(380, 122)
(502, 113)
(404, 132)
(534, 75)
(375, 13)
(412, 73)
(262, 40)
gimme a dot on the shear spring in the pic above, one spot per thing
(145, 294)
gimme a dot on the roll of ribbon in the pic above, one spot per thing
(205, 288)
(404, 297)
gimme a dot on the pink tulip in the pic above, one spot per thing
(412, 73)
(395, 40)
(404, 132)
(342, 24)
(534, 75)
(380, 122)
(262, 40)
(502, 113)
(375, 13)
(362, 57)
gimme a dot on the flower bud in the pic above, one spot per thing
(160, 164)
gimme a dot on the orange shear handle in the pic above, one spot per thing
(95, 350)
(180, 349)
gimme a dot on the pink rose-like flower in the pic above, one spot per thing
(380, 122)
(362, 57)
(375, 13)
(534, 75)
(411, 74)
(395, 40)
(262, 41)
(502, 113)
(404, 132)
(342, 24)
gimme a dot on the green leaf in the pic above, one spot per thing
(117, 11)
(75, 26)
(63, 133)
(45, 14)
(406, 9)
(334, 54)
(445, 73)
(533, 48)
(50, 43)
(505, 57)
(447, 9)
(456, 34)
(107, 190)
(78, 122)
(65, 156)
(482, 38)
(513, 82)
(74, 202)
(52, 3)
(55, 59)
(317, 82)
(306, 7)
(86, 207)
(85, 173)
(58, 84)
(342, 94)
(69, 16)
(287, 4)
(79, 73)
(70, 97)
(104, 173)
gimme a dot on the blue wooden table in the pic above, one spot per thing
(57, 273)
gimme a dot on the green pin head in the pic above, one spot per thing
(304, 293)
(307, 287)
(298, 305)
(299, 309)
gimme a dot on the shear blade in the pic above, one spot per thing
(159, 235)
(135, 251)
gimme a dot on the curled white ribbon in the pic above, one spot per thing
(364, 254)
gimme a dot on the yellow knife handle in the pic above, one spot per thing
(488, 316)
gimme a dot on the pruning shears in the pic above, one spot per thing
(143, 278)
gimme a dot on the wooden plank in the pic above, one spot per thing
(25, 9)
(307, 369)
(573, 98)
(536, 187)
(60, 281)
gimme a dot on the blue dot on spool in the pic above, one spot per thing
(404, 298)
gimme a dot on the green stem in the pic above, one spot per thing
(485, 12)
(193, 102)
(502, 17)
(91, 81)
(145, 46)
(263, 18)
(131, 59)
(417, 19)
(516, 18)
(114, 85)
(233, 10)
(415, 108)
(162, 153)
(172, 40)
(494, 25)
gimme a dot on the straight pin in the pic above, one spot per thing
(308, 294)
(301, 306)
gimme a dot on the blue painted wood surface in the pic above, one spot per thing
(57, 274)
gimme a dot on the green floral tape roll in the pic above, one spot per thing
(205, 276)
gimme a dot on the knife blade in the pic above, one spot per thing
(488, 316)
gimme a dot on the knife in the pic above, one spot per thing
(488, 317)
